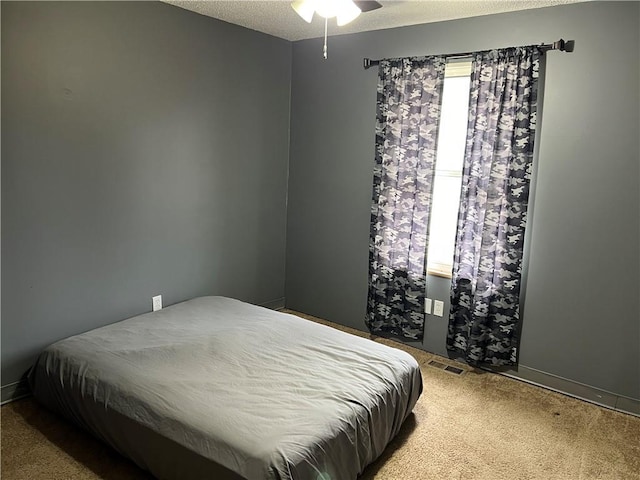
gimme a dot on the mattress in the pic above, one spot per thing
(216, 388)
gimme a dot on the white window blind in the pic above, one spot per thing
(449, 160)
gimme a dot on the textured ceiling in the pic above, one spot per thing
(278, 18)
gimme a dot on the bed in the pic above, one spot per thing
(215, 388)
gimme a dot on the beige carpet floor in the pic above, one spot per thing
(473, 426)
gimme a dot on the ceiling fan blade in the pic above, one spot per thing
(367, 5)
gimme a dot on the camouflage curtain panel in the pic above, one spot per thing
(408, 112)
(485, 288)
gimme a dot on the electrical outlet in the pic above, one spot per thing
(157, 302)
(427, 305)
(438, 308)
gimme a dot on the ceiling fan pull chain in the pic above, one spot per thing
(325, 39)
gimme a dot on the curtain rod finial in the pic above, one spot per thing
(564, 46)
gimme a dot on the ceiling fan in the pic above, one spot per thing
(345, 11)
(368, 5)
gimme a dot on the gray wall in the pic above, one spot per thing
(144, 152)
(581, 314)
(145, 148)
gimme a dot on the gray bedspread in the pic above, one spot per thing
(214, 387)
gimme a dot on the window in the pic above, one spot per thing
(449, 161)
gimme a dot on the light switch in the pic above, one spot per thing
(427, 305)
(438, 308)
(156, 302)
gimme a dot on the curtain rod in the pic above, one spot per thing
(545, 47)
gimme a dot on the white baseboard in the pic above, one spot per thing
(277, 304)
(14, 391)
(575, 389)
